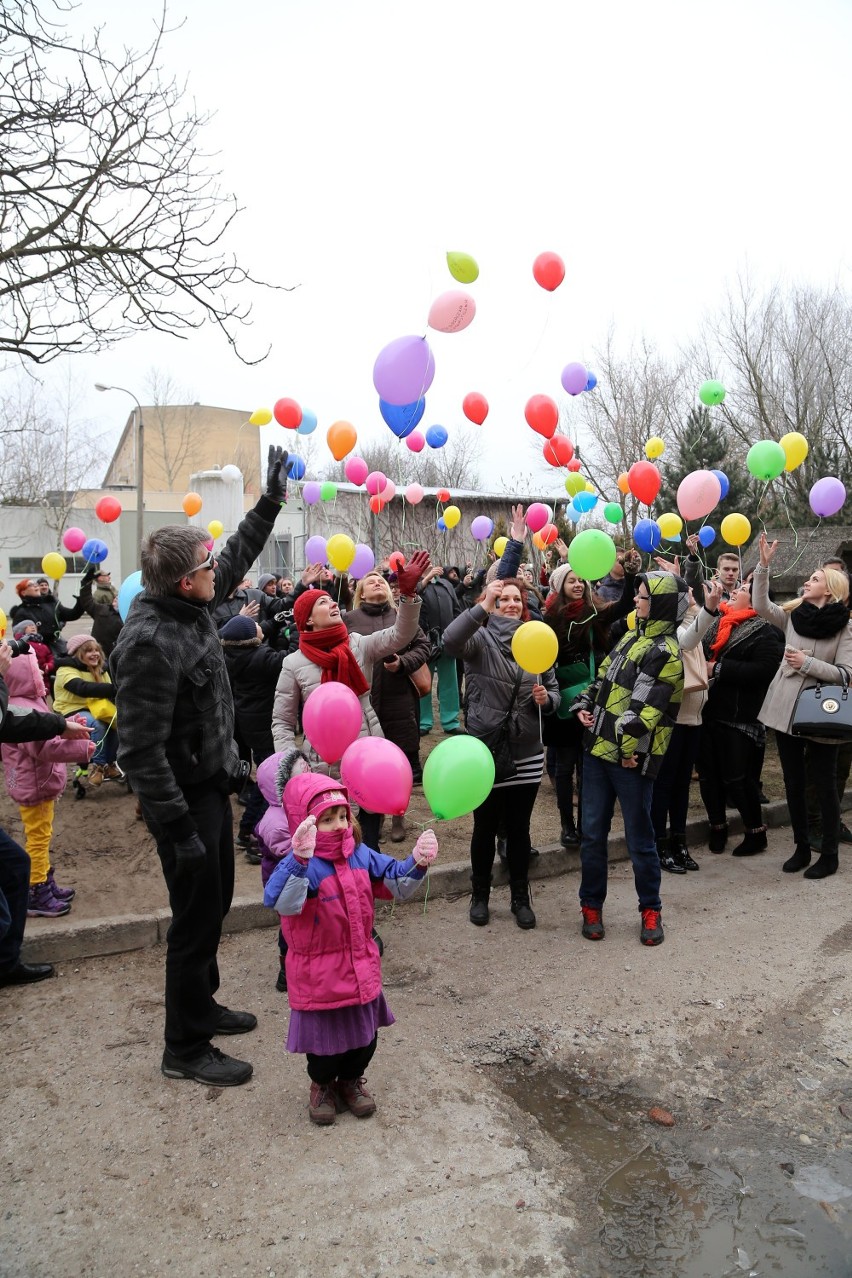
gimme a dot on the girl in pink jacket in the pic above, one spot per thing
(324, 892)
(36, 776)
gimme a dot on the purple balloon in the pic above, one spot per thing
(481, 528)
(404, 370)
(827, 496)
(310, 495)
(574, 378)
(364, 561)
(315, 550)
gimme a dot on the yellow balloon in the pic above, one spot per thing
(3, 623)
(655, 447)
(53, 565)
(340, 551)
(500, 545)
(631, 620)
(590, 488)
(261, 417)
(574, 483)
(535, 647)
(215, 528)
(451, 516)
(462, 267)
(670, 525)
(735, 529)
(795, 449)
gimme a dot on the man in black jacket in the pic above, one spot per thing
(440, 606)
(178, 752)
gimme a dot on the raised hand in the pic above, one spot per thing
(409, 574)
(304, 838)
(767, 549)
(632, 562)
(493, 591)
(712, 595)
(276, 473)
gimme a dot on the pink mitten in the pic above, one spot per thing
(425, 849)
(304, 838)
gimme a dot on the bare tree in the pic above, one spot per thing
(453, 466)
(174, 421)
(112, 220)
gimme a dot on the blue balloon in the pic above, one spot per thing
(723, 480)
(585, 501)
(295, 467)
(707, 535)
(436, 436)
(402, 418)
(572, 513)
(94, 551)
(647, 535)
(308, 424)
(130, 588)
(442, 527)
(592, 382)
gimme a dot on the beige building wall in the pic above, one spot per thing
(180, 439)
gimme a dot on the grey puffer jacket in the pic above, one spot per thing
(490, 672)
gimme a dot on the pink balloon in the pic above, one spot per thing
(538, 515)
(311, 493)
(698, 494)
(377, 774)
(404, 370)
(414, 494)
(574, 378)
(416, 441)
(355, 470)
(389, 491)
(332, 717)
(452, 311)
(376, 481)
(74, 539)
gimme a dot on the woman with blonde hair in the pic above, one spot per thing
(818, 638)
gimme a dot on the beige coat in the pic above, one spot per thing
(300, 676)
(695, 625)
(828, 654)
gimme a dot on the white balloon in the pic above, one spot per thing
(231, 474)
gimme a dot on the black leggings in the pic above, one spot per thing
(728, 771)
(345, 1065)
(569, 756)
(508, 808)
(670, 802)
(801, 759)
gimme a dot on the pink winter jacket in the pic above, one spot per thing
(35, 770)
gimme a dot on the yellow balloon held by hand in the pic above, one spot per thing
(535, 647)
(795, 449)
(451, 516)
(735, 529)
(215, 528)
(500, 544)
(53, 565)
(340, 551)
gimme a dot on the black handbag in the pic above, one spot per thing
(824, 711)
(497, 740)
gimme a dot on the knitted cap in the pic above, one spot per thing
(75, 643)
(264, 580)
(557, 577)
(238, 629)
(304, 606)
(20, 627)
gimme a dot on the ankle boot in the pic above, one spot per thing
(822, 868)
(569, 837)
(799, 860)
(753, 842)
(480, 892)
(397, 829)
(671, 856)
(678, 841)
(718, 837)
(524, 916)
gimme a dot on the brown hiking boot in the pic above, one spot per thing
(353, 1095)
(96, 774)
(322, 1107)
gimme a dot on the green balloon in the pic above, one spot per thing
(613, 513)
(462, 267)
(328, 491)
(766, 459)
(591, 554)
(711, 393)
(457, 777)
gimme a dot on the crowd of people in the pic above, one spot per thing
(658, 674)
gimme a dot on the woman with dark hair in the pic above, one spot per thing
(498, 691)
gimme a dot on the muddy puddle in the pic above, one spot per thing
(654, 1202)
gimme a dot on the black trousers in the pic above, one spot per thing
(670, 803)
(803, 760)
(729, 776)
(508, 809)
(569, 759)
(346, 1066)
(199, 903)
(14, 898)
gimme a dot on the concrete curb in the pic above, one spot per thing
(123, 933)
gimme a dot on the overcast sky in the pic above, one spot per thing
(657, 147)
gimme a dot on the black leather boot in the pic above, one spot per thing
(521, 909)
(570, 837)
(480, 892)
(822, 868)
(671, 856)
(800, 859)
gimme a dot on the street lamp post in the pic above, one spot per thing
(140, 466)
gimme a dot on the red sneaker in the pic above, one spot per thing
(652, 928)
(593, 928)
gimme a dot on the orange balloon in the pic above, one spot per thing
(191, 504)
(537, 541)
(341, 437)
(623, 483)
(377, 504)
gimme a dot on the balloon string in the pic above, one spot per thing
(534, 350)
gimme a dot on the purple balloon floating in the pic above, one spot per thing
(315, 550)
(311, 495)
(404, 370)
(481, 528)
(364, 561)
(574, 378)
(827, 496)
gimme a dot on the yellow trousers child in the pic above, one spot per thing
(38, 831)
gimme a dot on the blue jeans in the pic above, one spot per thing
(603, 783)
(104, 737)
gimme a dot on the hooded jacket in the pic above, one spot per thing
(326, 908)
(273, 830)
(35, 771)
(253, 670)
(639, 687)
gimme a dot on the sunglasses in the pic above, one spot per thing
(207, 564)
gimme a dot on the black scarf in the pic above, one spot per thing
(819, 623)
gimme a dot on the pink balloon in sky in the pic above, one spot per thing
(416, 441)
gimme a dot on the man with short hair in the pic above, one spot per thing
(104, 591)
(177, 750)
(43, 585)
(727, 570)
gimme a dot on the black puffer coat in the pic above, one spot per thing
(743, 672)
(253, 670)
(393, 695)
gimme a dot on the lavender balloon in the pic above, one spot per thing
(481, 528)
(364, 561)
(404, 370)
(315, 550)
(574, 378)
(827, 496)
(311, 494)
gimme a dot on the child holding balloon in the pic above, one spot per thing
(324, 891)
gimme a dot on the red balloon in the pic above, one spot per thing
(475, 407)
(548, 534)
(558, 451)
(574, 464)
(396, 561)
(287, 413)
(549, 270)
(377, 504)
(443, 494)
(108, 509)
(643, 480)
(542, 414)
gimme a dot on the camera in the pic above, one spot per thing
(17, 646)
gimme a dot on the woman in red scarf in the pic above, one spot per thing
(743, 652)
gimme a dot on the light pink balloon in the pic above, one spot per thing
(389, 491)
(376, 773)
(698, 494)
(332, 717)
(356, 470)
(415, 441)
(452, 311)
(538, 515)
(376, 482)
(414, 494)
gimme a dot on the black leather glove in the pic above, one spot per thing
(239, 778)
(190, 855)
(276, 474)
(89, 575)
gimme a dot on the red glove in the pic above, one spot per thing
(408, 576)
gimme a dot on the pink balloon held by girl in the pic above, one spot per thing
(324, 891)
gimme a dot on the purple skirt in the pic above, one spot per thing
(339, 1030)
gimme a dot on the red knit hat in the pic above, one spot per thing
(304, 606)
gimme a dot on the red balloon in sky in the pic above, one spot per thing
(443, 494)
(475, 407)
(549, 270)
(377, 504)
(558, 451)
(542, 414)
(108, 509)
(643, 480)
(574, 464)
(287, 413)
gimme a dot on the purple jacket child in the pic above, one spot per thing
(272, 831)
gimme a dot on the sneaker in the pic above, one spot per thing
(652, 928)
(235, 1022)
(61, 893)
(353, 1095)
(96, 774)
(593, 928)
(322, 1105)
(211, 1067)
(42, 904)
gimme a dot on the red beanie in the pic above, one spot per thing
(304, 606)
